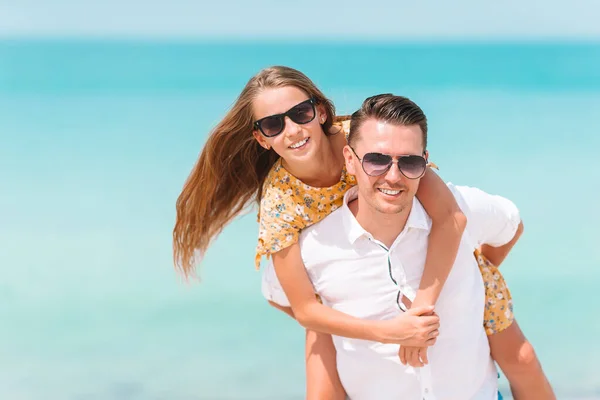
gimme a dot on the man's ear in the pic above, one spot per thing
(349, 158)
(429, 163)
(260, 139)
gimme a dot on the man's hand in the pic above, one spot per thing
(418, 327)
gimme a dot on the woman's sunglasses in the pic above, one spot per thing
(377, 164)
(301, 113)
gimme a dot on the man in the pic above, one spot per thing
(367, 256)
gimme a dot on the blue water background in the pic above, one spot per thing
(97, 138)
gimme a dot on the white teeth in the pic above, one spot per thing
(299, 144)
(390, 192)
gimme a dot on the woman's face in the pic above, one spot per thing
(297, 141)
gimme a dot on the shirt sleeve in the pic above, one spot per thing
(271, 288)
(279, 221)
(491, 219)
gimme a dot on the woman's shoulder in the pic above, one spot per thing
(281, 215)
(278, 180)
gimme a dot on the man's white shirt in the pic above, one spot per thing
(357, 275)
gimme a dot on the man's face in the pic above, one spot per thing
(391, 192)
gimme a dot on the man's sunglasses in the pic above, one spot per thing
(377, 164)
(301, 113)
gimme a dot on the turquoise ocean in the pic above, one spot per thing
(97, 138)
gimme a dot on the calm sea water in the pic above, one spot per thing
(97, 138)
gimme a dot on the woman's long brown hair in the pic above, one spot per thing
(231, 169)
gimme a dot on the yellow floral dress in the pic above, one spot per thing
(288, 205)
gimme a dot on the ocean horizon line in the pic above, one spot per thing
(312, 40)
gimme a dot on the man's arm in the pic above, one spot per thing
(492, 220)
(496, 255)
(287, 310)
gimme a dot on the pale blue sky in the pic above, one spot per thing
(393, 19)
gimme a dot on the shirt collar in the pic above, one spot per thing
(417, 219)
(351, 226)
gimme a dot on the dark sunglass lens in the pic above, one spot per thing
(376, 164)
(412, 166)
(303, 113)
(271, 126)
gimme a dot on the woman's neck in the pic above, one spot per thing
(325, 167)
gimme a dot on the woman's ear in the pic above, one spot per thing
(321, 114)
(261, 139)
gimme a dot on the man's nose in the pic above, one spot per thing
(393, 175)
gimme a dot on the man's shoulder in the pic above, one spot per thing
(325, 241)
(331, 225)
(460, 193)
(470, 198)
(318, 241)
(490, 218)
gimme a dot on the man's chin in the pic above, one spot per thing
(391, 208)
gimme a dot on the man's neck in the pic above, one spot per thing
(384, 227)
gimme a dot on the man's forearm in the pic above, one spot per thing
(287, 310)
(496, 255)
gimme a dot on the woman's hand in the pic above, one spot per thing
(418, 327)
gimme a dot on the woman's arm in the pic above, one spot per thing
(448, 225)
(408, 328)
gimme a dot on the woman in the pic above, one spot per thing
(280, 145)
